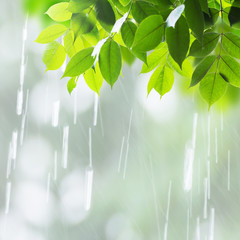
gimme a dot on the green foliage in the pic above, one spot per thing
(167, 36)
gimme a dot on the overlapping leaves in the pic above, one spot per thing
(97, 36)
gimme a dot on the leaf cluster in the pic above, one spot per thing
(95, 37)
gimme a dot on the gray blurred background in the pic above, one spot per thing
(151, 180)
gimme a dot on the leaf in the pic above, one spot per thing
(204, 6)
(231, 44)
(174, 16)
(81, 24)
(59, 13)
(105, 12)
(140, 55)
(110, 61)
(194, 16)
(234, 15)
(71, 84)
(230, 69)
(125, 2)
(54, 56)
(128, 31)
(51, 33)
(94, 79)
(178, 40)
(127, 56)
(76, 6)
(155, 58)
(210, 40)
(72, 47)
(161, 80)
(212, 87)
(79, 63)
(186, 70)
(149, 33)
(142, 10)
(202, 69)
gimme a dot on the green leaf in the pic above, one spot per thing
(71, 84)
(149, 33)
(202, 69)
(142, 9)
(54, 56)
(178, 40)
(161, 80)
(210, 40)
(72, 47)
(155, 58)
(59, 13)
(128, 31)
(194, 16)
(125, 2)
(204, 6)
(230, 70)
(94, 79)
(76, 6)
(110, 61)
(79, 63)
(174, 16)
(127, 56)
(212, 87)
(234, 15)
(105, 12)
(231, 44)
(186, 70)
(81, 24)
(51, 33)
(140, 55)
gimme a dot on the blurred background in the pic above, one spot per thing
(122, 166)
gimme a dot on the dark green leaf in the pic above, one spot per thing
(231, 44)
(128, 31)
(212, 87)
(142, 9)
(105, 12)
(230, 69)
(79, 63)
(194, 16)
(234, 15)
(204, 6)
(81, 24)
(149, 33)
(202, 69)
(211, 18)
(110, 61)
(209, 43)
(178, 40)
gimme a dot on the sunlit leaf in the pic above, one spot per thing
(76, 6)
(231, 44)
(54, 56)
(59, 12)
(51, 33)
(71, 84)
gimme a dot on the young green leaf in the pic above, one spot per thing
(59, 13)
(51, 33)
(128, 31)
(142, 9)
(202, 69)
(94, 79)
(81, 24)
(174, 16)
(110, 61)
(178, 40)
(194, 16)
(161, 80)
(79, 63)
(212, 87)
(76, 6)
(54, 56)
(231, 44)
(210, 40)
(71, 84)
(155, 58)
(105, 12)
(149, 33)
(230, 69)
